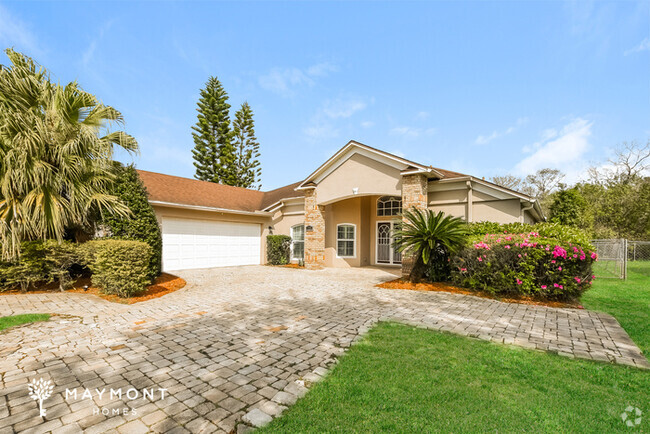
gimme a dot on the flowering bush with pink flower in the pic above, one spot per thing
(524, 264)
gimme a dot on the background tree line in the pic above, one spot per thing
(223, 153)
(614, 201)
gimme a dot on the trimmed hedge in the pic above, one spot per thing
(567, 234)
(278, 249)
(118, 266)
(142, 225)
(40, 262)
(525, 264)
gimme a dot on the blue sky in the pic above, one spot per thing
(484, 88)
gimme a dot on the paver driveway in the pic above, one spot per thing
(235, 340)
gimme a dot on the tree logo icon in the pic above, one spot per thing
(632, 416)
(39, 391)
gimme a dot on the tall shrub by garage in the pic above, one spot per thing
(278, 249)
(525, 264)
(142, 225)
(118, 266)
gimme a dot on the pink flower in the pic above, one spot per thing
(463, 269)
(543, 286)
(507, 247)
(594, 256)
(480, 259)
(555, 285)
(577, 279)
(553, 261)
(519, 255)
(559, 268)
(519, 282)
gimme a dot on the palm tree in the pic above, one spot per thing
(423, 233)
(55, 155)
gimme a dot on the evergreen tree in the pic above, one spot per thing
(246, 149)
(142, 225)
(213, 150)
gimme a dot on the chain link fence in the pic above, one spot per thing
(638, 251)
(612, 258)
(617, 256)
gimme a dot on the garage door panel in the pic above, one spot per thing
(190, 243)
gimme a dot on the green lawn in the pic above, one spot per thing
(10, 321)
(627, 300)
(402, 379)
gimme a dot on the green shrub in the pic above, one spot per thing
(142, 225)
(118, 266)
(568, 234)
(524, 264)
(278, 249)
(40, 262)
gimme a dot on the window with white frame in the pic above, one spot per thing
(345, 239)
(298, 242)
(389, 206)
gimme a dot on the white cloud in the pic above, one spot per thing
(343, 108)
(643, 46)
(412, 132)
(87, 56)
(484, 140)
(284, 81)
(322, 126)
(367, 124)
(319, 131)
(422, 115)
(16, 33)
(321, 69)
(562, 150)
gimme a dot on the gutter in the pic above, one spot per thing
(210, 209)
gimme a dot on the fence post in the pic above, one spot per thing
(625, 259)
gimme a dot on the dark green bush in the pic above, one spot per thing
(118, 266)
(40, 262)
(278, 249)
(524, 264)
(142, 225)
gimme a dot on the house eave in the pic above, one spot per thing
(210, 208)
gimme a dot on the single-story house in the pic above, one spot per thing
(342, 215)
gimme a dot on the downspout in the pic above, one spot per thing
(470, 200)
(524, 209)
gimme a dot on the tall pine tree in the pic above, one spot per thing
(213, 148)
(247, 149)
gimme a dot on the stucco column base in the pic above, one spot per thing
(414, 195)
(314, 232)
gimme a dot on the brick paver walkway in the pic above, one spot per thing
(238, 345)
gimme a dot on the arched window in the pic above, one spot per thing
(298, 242)
(389, 205)
(346, 240)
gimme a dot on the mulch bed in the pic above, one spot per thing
(447, 287)
(287, 266)
(164, 284)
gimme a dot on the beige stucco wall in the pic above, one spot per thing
(528, 218)
(500, 211)
(263, 221)
(346, 211)
(369, 176)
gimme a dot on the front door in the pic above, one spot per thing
(386, 251)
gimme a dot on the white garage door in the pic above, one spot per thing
(189, 243)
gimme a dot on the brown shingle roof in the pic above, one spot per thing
(186, 191)
(286, 192)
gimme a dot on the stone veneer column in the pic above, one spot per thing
(314, 239)
(414, 195)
